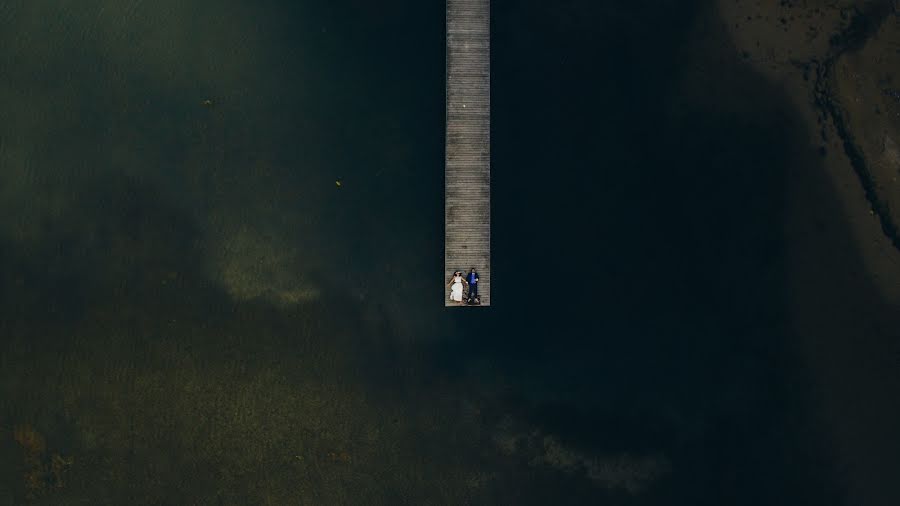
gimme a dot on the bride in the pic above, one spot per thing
(456, 287)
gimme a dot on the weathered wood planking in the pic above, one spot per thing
(467, 172)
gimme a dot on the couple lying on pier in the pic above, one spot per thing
(458, 282)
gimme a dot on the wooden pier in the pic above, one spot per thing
(467, 169)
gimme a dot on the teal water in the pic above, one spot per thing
(193, 312)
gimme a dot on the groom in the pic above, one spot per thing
(472, 279)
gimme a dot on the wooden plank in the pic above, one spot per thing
(467, 175)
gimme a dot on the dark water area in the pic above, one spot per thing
(193, 312)
(659, 219)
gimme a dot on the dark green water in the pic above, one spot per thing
(194, 313)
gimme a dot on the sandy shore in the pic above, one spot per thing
(836, 63)
(792, 45)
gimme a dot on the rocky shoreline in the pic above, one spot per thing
(865, 24)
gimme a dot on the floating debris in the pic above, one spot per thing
(207, 103)
(338, 183)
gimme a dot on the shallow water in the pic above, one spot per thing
(194, 313)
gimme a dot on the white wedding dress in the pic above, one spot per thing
(456, 291)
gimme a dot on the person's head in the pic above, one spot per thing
(473, 270)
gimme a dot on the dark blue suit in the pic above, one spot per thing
(472, 279)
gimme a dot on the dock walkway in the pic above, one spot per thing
(467, 174)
